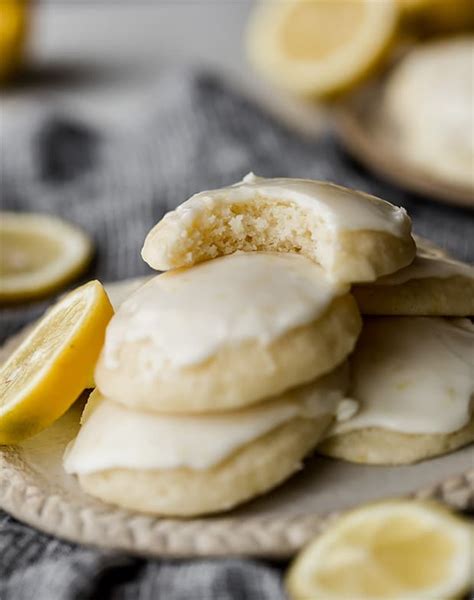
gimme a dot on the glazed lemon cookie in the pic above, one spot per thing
(414, 379)
(352, 235)
(226, 333)
(433, 285)
(429, 99)
(188, 465)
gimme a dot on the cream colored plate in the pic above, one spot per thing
(369, 138)
(34, 489)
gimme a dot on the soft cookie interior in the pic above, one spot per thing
(257, 225)
(284, 215)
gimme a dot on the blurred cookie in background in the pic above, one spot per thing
(429, 99)
(414, 124)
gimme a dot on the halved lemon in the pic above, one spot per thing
(319, 48)
(13, 22)
(398, 550)
(39, 254)
(54, 364)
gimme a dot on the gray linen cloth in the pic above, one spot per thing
(116, 183)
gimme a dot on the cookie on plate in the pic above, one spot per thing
(352, 235)
(378, 446)
(428, 99)
(432, 285)
(226, 333)
(182, 465)
(414, 380)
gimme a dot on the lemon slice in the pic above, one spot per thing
(316, 48)
(403, 550)
(39, 254)
(13, 20)
(54, 364)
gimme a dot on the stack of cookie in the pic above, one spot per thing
(219, 376)
(212, 385)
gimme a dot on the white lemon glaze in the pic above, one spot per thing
(187, 315)
(413, 375)
(113, 436)
(425, 265)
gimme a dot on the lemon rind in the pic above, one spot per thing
(76, 254)
(373, 42)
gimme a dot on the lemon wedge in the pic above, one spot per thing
(39, 254)
(402, 550)
(13, 20)
(316, 48)
(54, 364)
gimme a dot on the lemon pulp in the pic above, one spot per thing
(39, 254)
(398, 550)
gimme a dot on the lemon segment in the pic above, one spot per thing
(54, 364)
(320, 48)
(13, 22)
(398, 550)
(39, 254)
